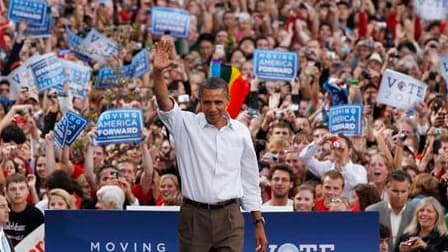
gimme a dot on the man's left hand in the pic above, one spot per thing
(261, 242)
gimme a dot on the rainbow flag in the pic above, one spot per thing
(238, 86)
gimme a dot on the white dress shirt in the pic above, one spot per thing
(214, 164)
(395, 220)
(4, 242)
(353, 173)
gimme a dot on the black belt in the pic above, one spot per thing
(217, 205)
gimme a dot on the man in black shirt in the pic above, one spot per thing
(23, 218)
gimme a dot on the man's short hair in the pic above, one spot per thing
(214, 83)
(13, 133)
(334, 175)
(398, 175)
(15, 178)
(347, 140)
(285, 168)
(111, 194)
(104, 167)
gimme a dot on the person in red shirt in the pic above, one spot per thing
(332, 187)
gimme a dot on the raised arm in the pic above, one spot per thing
(161, 62)
(50, 159)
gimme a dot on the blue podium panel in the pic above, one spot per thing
(154, 231)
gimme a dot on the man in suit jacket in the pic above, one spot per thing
(5, 243)
(396, 212)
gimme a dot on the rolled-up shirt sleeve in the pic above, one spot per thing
(172, 118)
(318, 168)
(251, 200)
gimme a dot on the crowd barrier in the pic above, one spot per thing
(156, 231)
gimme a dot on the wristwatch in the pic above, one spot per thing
(259, 220)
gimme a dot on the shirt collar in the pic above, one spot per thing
(392, 210)
(204, 123)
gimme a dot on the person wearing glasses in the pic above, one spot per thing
(339, 160)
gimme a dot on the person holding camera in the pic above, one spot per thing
(340, 152)
(427, 231)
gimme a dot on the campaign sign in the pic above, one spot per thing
(76, 124)
(275, 65)
(119, 126)
(140, 63)
(30, 11)
(60, 132)
(47, 71)
(443, 66)
(98, 47)
(20, 77)
(156, 231)
(176, 21)
(105, 78)
(74, 41)
(346, 119)
(400, 90)
(78, 76)
(432, 9)
(40, 31)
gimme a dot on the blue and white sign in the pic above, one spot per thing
(78, 76)
(119, 126)
(47, 70)
(175, 21)
(346, 119)
(275, 65)
(20, 77)
(400, 90)
(98, 47)
(68, 128)
(443, 66)
(105, 78)
(74, 41)
(286, 232)
(40, 31)
(76, 124)
(140, 63)
(30, 11)
(60, 132)
(431, 9)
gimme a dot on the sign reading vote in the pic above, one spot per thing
(30, 11)
(275, 65)
(324, 232)
(172, 20)
(98, 47)
(119, 126)
(40, 31)
(47, 71)
(400, 90)
(443, 66)
(78, 76)
(20, 77)
(69, 128)
(346, 119)
(432, 9)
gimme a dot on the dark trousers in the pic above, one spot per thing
(211, 230)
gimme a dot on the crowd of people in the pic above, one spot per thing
(398, 166)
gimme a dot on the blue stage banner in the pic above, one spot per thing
(30, 11)
(175, 21)
(47, 71)
(78, 76)
(153, 231)
(119, 126)
(40, 31)
(76, 123)
(346, 119)
(140, 63)
(275, 65)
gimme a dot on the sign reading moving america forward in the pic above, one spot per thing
(275, 65)
(119, 126)
(172, 20)
(400, 90)
(30, 11)
(346, 119)
(47, 70)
